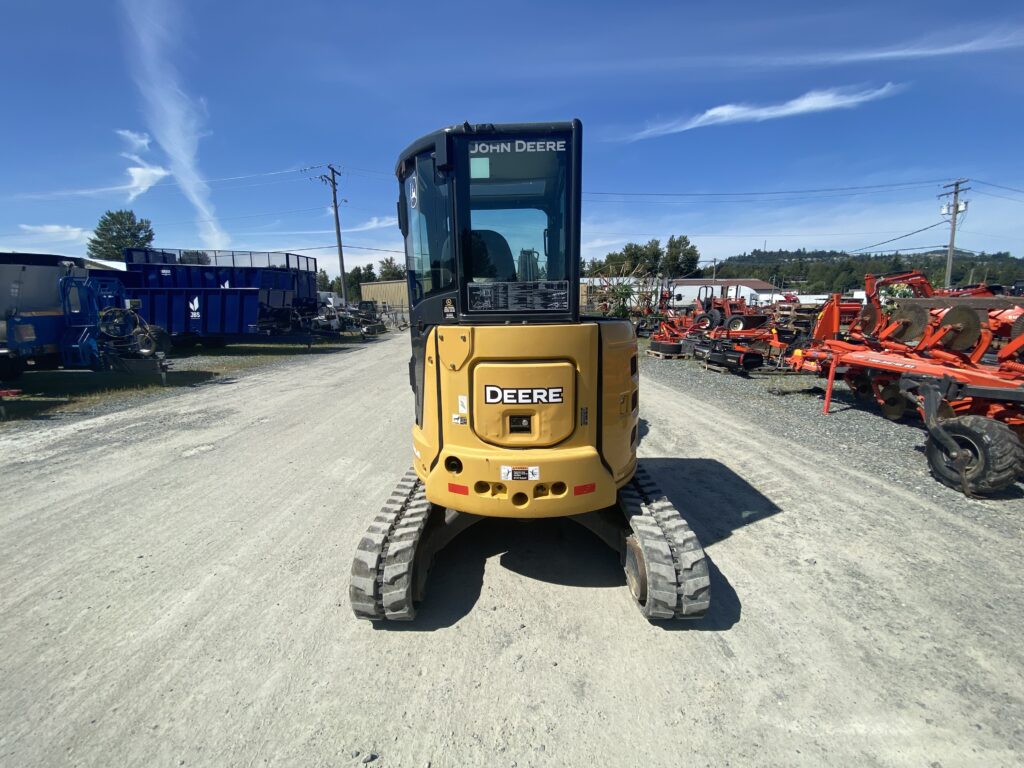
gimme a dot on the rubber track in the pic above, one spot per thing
(382, 571)
(678, 585)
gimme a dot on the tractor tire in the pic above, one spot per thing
(716, 317)
(736, 324)
(997, 455)
(703, 322)
(667, 347)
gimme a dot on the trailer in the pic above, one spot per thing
(216, 297)
(55, 313)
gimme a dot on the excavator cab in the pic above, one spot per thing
(522, 408)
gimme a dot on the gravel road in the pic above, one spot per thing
(173, 592)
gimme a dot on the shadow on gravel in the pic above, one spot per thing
(713, 499)
(556, 551)
(268, 350)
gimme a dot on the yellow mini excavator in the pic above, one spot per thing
(524, 409)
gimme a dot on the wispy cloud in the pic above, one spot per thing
(375, 222)
(175, 119)
(142, 175)
(810, 102)
(137, 142)
(58, 233)
(993, 41)
(923, 48)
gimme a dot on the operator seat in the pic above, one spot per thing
(492, 257)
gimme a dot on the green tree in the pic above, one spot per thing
(323, 282)
(681, 257)
(391, 269)
(117, 230)
(368, 274)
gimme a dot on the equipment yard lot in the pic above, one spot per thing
(173, 591)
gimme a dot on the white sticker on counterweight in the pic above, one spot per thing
(520, 473)
(463, 404)
(458, 418)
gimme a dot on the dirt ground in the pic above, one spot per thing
(173, 591)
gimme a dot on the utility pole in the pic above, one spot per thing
(332, 182)
(954, 212)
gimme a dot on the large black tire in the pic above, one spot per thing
(736, 323)
(667, 347)
(716, 317)
(703, 322)
(148, 343)
(997, 455)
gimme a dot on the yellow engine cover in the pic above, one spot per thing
(528, 420)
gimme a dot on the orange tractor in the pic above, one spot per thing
(942, 365)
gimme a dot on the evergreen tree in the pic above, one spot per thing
(117, 230)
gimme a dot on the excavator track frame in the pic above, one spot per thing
(666, 569)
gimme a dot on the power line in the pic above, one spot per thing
(864, 188)
(347, 245)
(1001, 197)
(986, 234)
(894, 239)
(746, 234)
(998, 186)
(704, 201)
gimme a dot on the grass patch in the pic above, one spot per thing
(49, 394)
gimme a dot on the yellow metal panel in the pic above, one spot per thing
(455, 345)
(621, 384)
(545, 393)
(531, 479)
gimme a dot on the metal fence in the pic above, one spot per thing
(277, 259)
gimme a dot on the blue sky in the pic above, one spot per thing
(199, 115)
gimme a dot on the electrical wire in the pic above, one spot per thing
(879, 187)
(894, 239)
(346, 245)
(998, 186)
(704, 201)
(1001, 197)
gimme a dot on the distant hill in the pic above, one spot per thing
(827, 271)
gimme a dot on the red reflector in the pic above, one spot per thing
(456, 488)
(579, 490)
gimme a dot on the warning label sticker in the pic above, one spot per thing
(520, 473)
(543, 296)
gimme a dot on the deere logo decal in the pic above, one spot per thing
(493, 395)
(194, 308)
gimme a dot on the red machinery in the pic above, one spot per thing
(972, 405)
